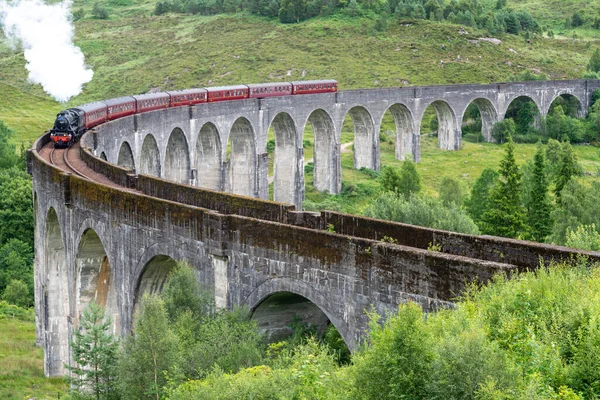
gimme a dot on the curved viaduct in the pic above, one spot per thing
(113, 214)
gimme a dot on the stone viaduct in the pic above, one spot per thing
(155, 191)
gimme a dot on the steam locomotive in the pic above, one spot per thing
(70, 124)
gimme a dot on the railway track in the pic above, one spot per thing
(60, 159)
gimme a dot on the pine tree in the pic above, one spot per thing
(505, 216)
(479, 201)
(567, 168)
(95, 355)
(539, 206)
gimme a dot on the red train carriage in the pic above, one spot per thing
(311, 87)
(261, 90)
(187, 97)
(120, 107)
(151, 102)
(95, 113)
(223, 93)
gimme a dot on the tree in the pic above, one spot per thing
(579, 205)
(480, 194)
(505, 217)
(183, 294)
(390, 179)
(410, 181)
(451, 192)
(594, 64)
(16, 263)
(538, 205)
(8, 155)
(16, 208)
(94, 352)
(150, 354)
(17, 293)
(568, 167)
(292, 11)
(502, 130)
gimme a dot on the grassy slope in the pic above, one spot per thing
(22, 364)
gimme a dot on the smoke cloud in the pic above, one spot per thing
(45, 33)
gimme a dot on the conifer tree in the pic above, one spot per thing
(567, 168)
(539, 206)
(479, 201)
(505, 216)
(95, 355)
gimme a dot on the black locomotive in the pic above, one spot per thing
(68, 127)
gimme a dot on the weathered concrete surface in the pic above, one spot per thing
(199, 155)
(104, 243)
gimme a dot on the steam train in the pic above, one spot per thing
(70, 124)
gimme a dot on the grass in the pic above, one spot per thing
(22, 364)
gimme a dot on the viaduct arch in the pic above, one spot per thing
(115, 238)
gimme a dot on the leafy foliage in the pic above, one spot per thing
(479, 201)
(452, 192)
(423, 211)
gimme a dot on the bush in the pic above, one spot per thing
(99, 11)
(17, 293)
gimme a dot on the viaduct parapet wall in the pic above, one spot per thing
(113, 243)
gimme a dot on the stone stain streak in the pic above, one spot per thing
(116, 238)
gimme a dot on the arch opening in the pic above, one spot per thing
(55, 302)
(126, 157)
(478, 120)
(525, 114)
(439, 119)
(325, 155)
(154, 277)
(177, 160)
(150, 157)
(95, 278)
(397, 127)
(208, 157)
(285, 164)
(570, 105)
(242, 164)
(280, 313)
(358, 137)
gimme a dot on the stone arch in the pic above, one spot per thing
(103, 156)
(126, 157)
(286, 158)
(578, 113)
(523, 98)
(364, 138)
(150, 157)
(511, 100)
(55, 302)
(242, 163)
(153, 276)
(405, 130)
(177, 159)
(448, 137)
(95, 280)
(326, 168)
(303, 289)
(208, 157)
(489, 116)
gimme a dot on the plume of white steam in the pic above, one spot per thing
(45, 33)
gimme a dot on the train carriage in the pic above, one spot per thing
(95, 114)
(188, 97)
(261, 90)
(151, 102)
(224, 93)
(120, 107)
(312, 87)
